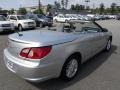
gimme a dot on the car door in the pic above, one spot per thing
(94, 40)
(61, 19)
(89, 39)
(14, 20)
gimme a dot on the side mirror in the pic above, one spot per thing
(105, 30)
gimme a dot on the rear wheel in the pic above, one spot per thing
(70, 68)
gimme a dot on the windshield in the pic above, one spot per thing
(40, 16)
(2, 18)
(21, 17)
(77, 27)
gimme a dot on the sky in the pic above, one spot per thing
(8, 4)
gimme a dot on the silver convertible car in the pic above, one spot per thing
(40, 55)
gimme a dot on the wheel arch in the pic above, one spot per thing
(19, 24)
(77, 54)
(110, 37)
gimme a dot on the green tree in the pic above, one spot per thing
(11, 11)
(49, 7)
(57, 5)
(97, 10)
(107, 11)
(38, 11)
(22, 11)
(82, 7)
(118, 9)
(66, 3)
(72, 7)
(63, 4)
(77, 7)
(113, 8)
(102, 8)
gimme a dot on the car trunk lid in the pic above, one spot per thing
(37, 39)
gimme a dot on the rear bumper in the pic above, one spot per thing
(33, 72)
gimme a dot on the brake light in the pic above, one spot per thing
(35, 53)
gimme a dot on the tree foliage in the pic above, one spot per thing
(77, 7)
(57, 5)
(38, 11)
(64, 4)
(11, 11)
(49, 7)
(113, 8)
(102, 8)
(22, 11)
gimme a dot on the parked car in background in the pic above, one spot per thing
(112, 16)
(42, 55)
(41, 20)
(21, 22)
(87, 18)
(64, 18)
(6, 25)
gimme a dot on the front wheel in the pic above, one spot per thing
(70, 68)
(20, 27)
(41, 25)
(66, 21)
(108, 46)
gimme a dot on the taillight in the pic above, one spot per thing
(35, 53)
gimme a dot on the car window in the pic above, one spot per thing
(88, 27)
(67, 17)
(31, 17)
(2, 18)
(61, 16)
(13, 18)
(21, 17)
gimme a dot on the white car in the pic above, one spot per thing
(61, 18)
(21, 22)
(5, 25)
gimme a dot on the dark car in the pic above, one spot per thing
(40, 20)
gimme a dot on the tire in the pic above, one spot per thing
(55, 21)
(66, 21)
(40, 24)
(108, 45)
(70, 68)
(20, 27)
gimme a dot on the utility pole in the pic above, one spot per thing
(87, 1)
(93, 8)
(39, 6)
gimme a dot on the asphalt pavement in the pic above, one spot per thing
(101, 72)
